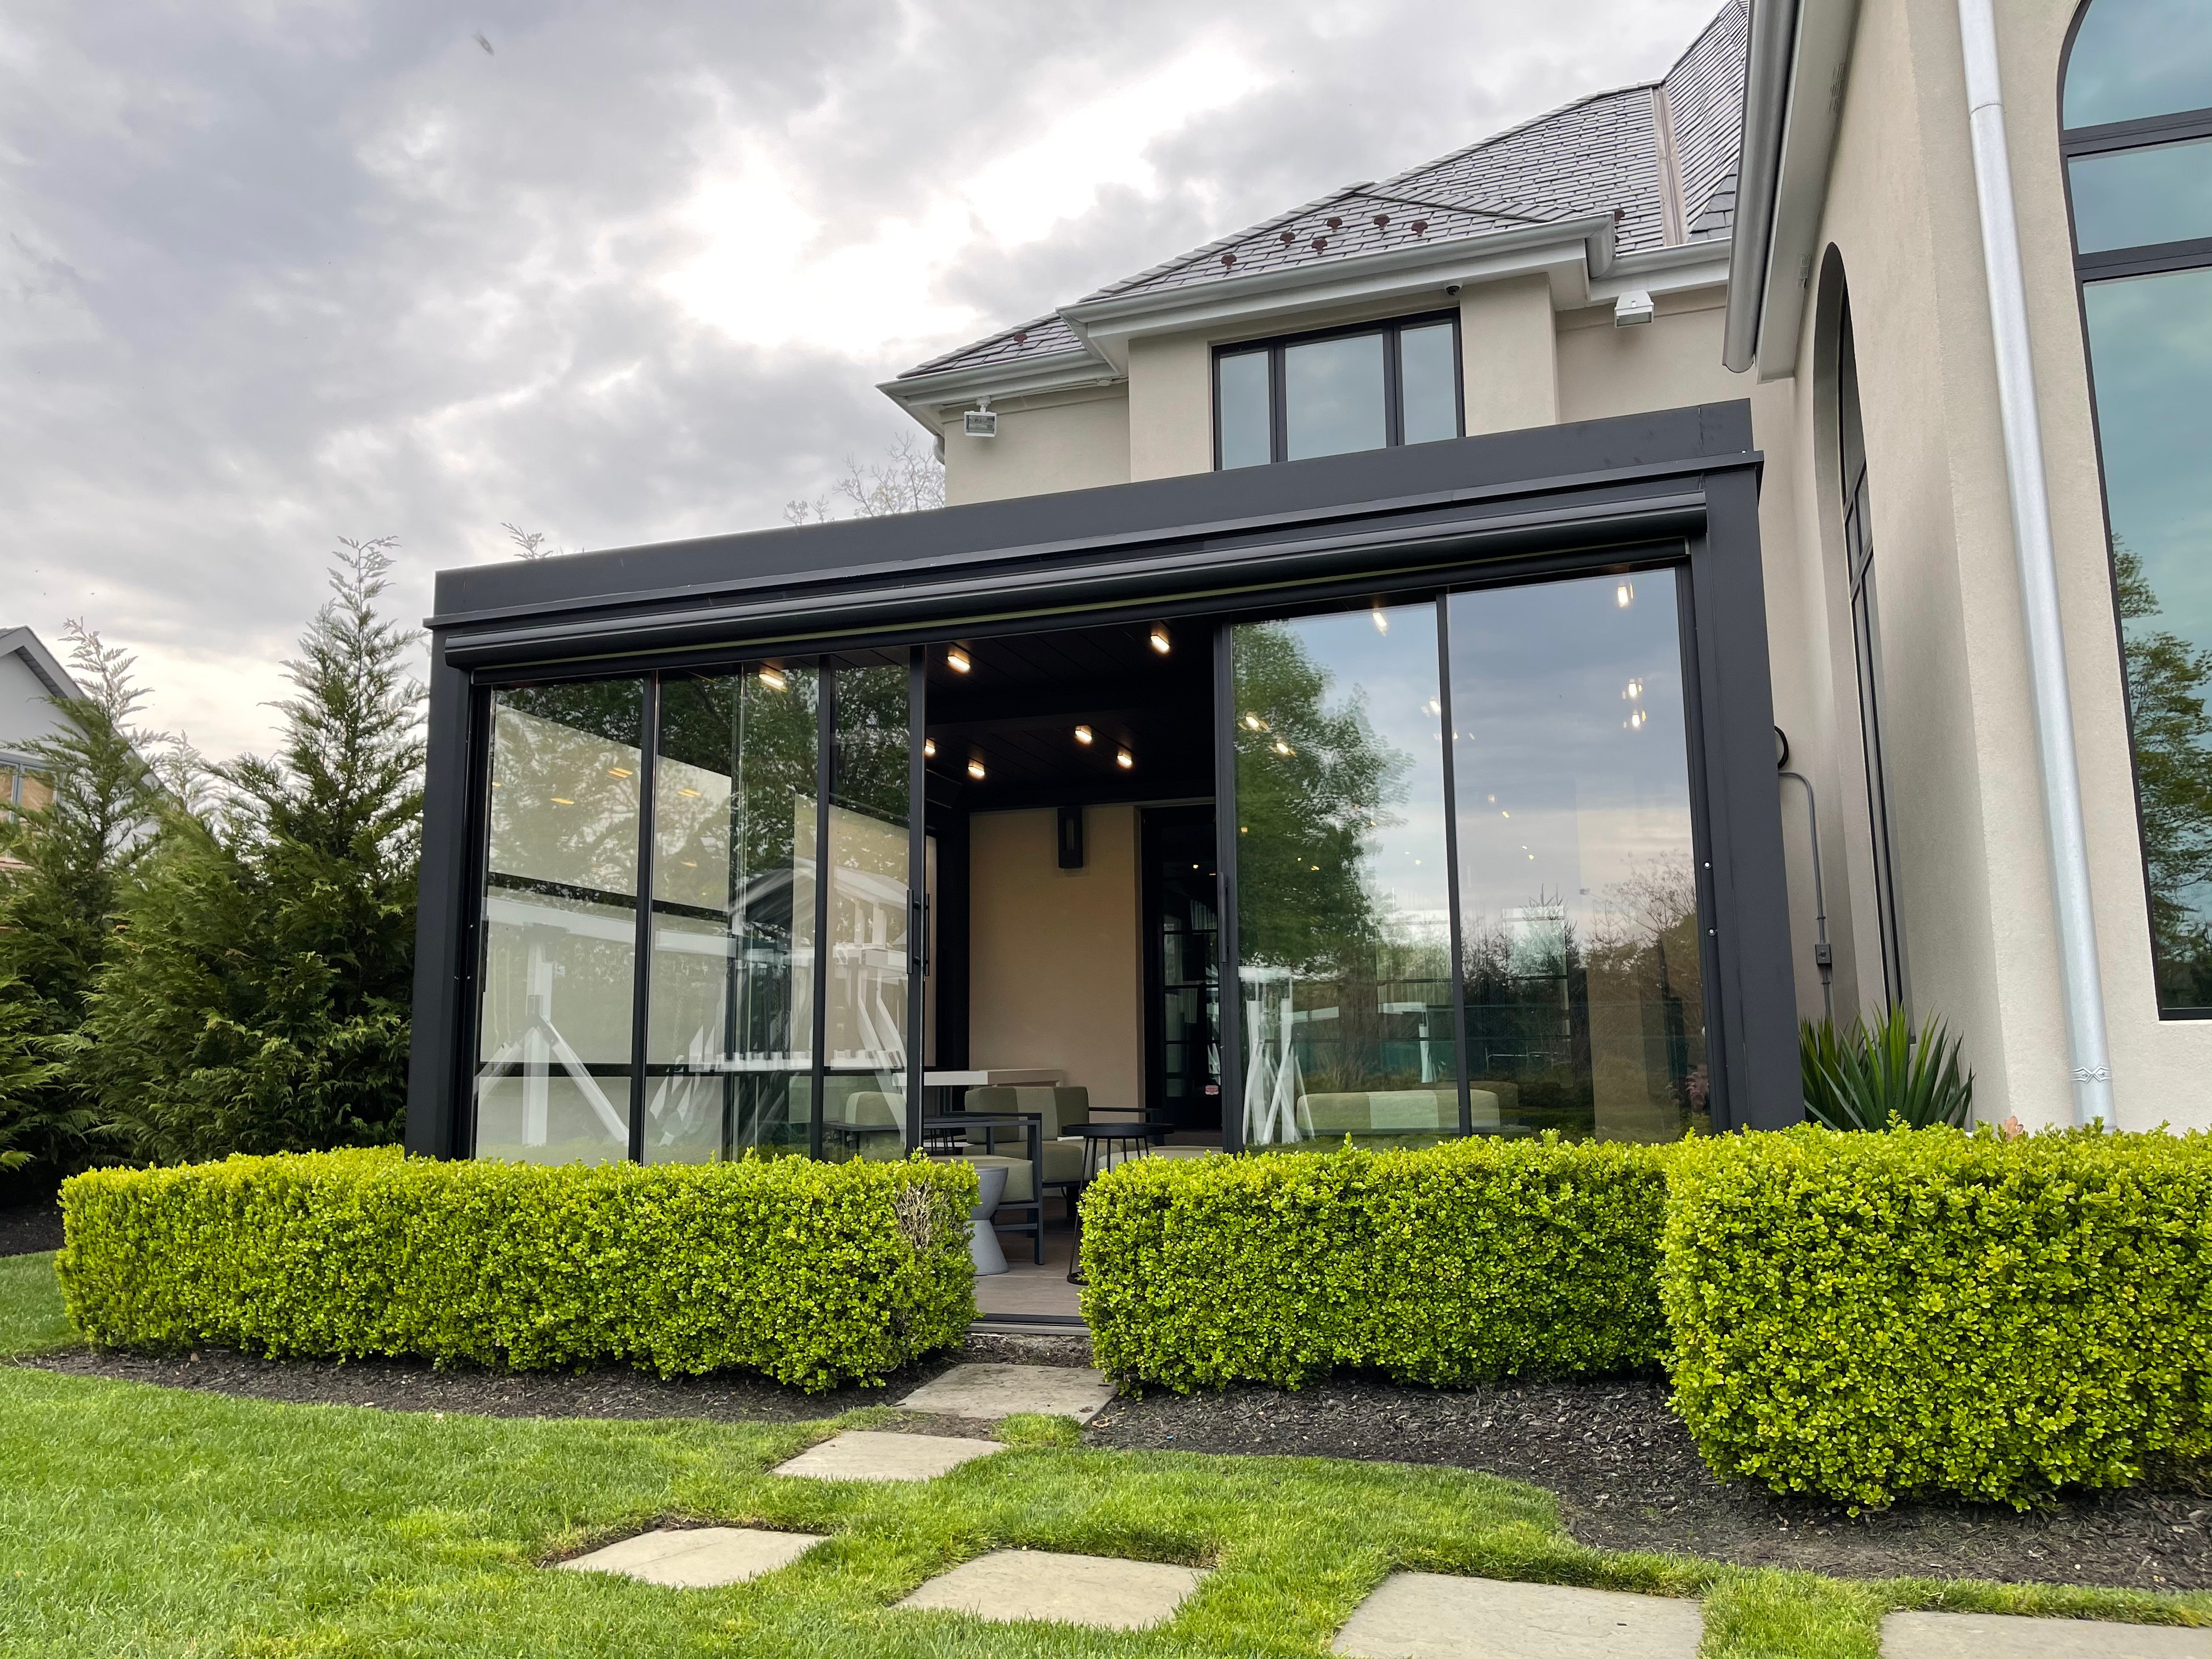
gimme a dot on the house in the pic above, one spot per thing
(1486, 651)
(30, 679)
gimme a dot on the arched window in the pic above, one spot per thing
(2136, 102)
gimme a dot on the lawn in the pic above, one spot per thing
(153, 1521)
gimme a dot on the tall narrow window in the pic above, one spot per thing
(2137, 104)
(1865, 651)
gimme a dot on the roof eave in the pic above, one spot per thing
(1059, 370)
(45, 666)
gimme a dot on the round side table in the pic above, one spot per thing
(982, 1239)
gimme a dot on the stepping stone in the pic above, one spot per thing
(697, 1558)
(1013, 1586)
(862, 1454)
(995, 1391)
(1999, 1636)
(1427, 1616)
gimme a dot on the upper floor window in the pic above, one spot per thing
(2137, 102)
(1367, 387)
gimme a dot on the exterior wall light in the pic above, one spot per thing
(1124, 759)
(1632, 309)
(1083, 736)
(1161, 643)
(956, 660)
(981, 422)
(773, 678)
(975, 770)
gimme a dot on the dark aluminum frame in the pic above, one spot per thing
(1393, 402)
(1677, 488)
(2150, 259)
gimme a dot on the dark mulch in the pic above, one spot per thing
(1628, 1478)
(30, 1225)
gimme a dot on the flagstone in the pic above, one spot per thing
(2001, 1635)
(1015, 1586)
(866, 1455)
(994, 1391)
(697, 1558)
(1427, 1616)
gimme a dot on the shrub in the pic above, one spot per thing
(1453, 1265)
(1867, 1316)
(1864, 1078)
(815, 1273)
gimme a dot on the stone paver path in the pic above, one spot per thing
(1995, 1636)
(994, 1391)
(1427, 1616)
(697, 1558)
(864, 1454)
(1010, 1586)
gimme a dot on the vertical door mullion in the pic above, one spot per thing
(641, 975)
(1279, 420)
(1229, 1021)
(825, 737)
(919, 967)
(1462, 1065)
(1393, 393)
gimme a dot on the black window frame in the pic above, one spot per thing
(1393, 403)
(2106, 264)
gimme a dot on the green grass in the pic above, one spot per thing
(31, 1316)
(147, 1521)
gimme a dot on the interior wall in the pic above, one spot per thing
(1055, 972)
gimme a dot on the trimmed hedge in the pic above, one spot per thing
(1870, 1315)
(814, 1273)
(1451, 1265)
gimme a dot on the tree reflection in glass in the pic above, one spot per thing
(1343, 904)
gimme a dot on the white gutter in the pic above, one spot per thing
(2038, 569)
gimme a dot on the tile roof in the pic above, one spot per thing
(1599, 154)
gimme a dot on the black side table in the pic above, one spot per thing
(1103, 1143)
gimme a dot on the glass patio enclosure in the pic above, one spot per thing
(1460, 876)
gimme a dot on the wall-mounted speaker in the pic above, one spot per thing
(1071, 837)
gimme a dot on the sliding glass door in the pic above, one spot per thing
(1465, 870)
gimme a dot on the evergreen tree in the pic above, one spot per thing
(68, 866)
(260, 999)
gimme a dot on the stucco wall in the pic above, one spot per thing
(1508, 368)
(1054, 977)
(1073, 442)
(1170, 406)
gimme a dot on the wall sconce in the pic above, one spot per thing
(956, 660)
(1161, 643)
(1083, 736)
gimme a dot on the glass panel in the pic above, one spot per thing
(1426, 385)
(730, 1033)
(2137, 58)
(1333, 396)
(1343, 909)
(2131, 197)
(1577, 877)
(560, 932)
(864, 1112)
(2150, 342)
(1245, 436)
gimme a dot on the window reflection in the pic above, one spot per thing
(560, 924)
(2129, 197)
(1289, 400)
(1246, 438)
(2135, 58)
(730, 1022)
(1578, 875)
(1428, 381)
(1333, 396)
(1343, 905)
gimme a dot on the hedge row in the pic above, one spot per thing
(1861, 1315)
(814, 1273)
(1454, 1265)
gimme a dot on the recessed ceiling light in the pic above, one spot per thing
(929, 748)
(975, 770)
(1624, 595)
(773, 678)
(1282, 747)
(1124, 759)
(618, 771)
(1083, 736)
(1161, 643)
(1382, 619)
(956, 660)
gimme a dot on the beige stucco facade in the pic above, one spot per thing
(1896, 225)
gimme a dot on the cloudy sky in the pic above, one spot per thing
(273, 274)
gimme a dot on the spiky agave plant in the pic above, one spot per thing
(1875, 1074)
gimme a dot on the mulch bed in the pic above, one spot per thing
(1628, 1478)
(29, 1225)
(1623, 1466)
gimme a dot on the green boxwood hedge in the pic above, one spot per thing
(814, 1273)
(1869, 1315)
(1451, 1265)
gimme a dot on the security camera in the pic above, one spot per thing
(1451, 290)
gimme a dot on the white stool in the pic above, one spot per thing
(982, 1239)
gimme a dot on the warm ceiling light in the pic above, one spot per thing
(1161, 643)
(1635, 690)
(956, 660)
(563, 801)
(1124, 759)
(1382, 620)
(1083, 736)
(1282, 747)
(975, 770)
(1624, 595)
(773, 678)
(1254, 723)
(688, 794)
(929, 748)
(618, 771)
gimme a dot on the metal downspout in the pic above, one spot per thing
(2038, 569)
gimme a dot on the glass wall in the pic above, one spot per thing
(1343, 900)
(560, 923)
(730, 1029)
(1577, 870)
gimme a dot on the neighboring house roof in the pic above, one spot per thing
(29, 674)
(1659, 157)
